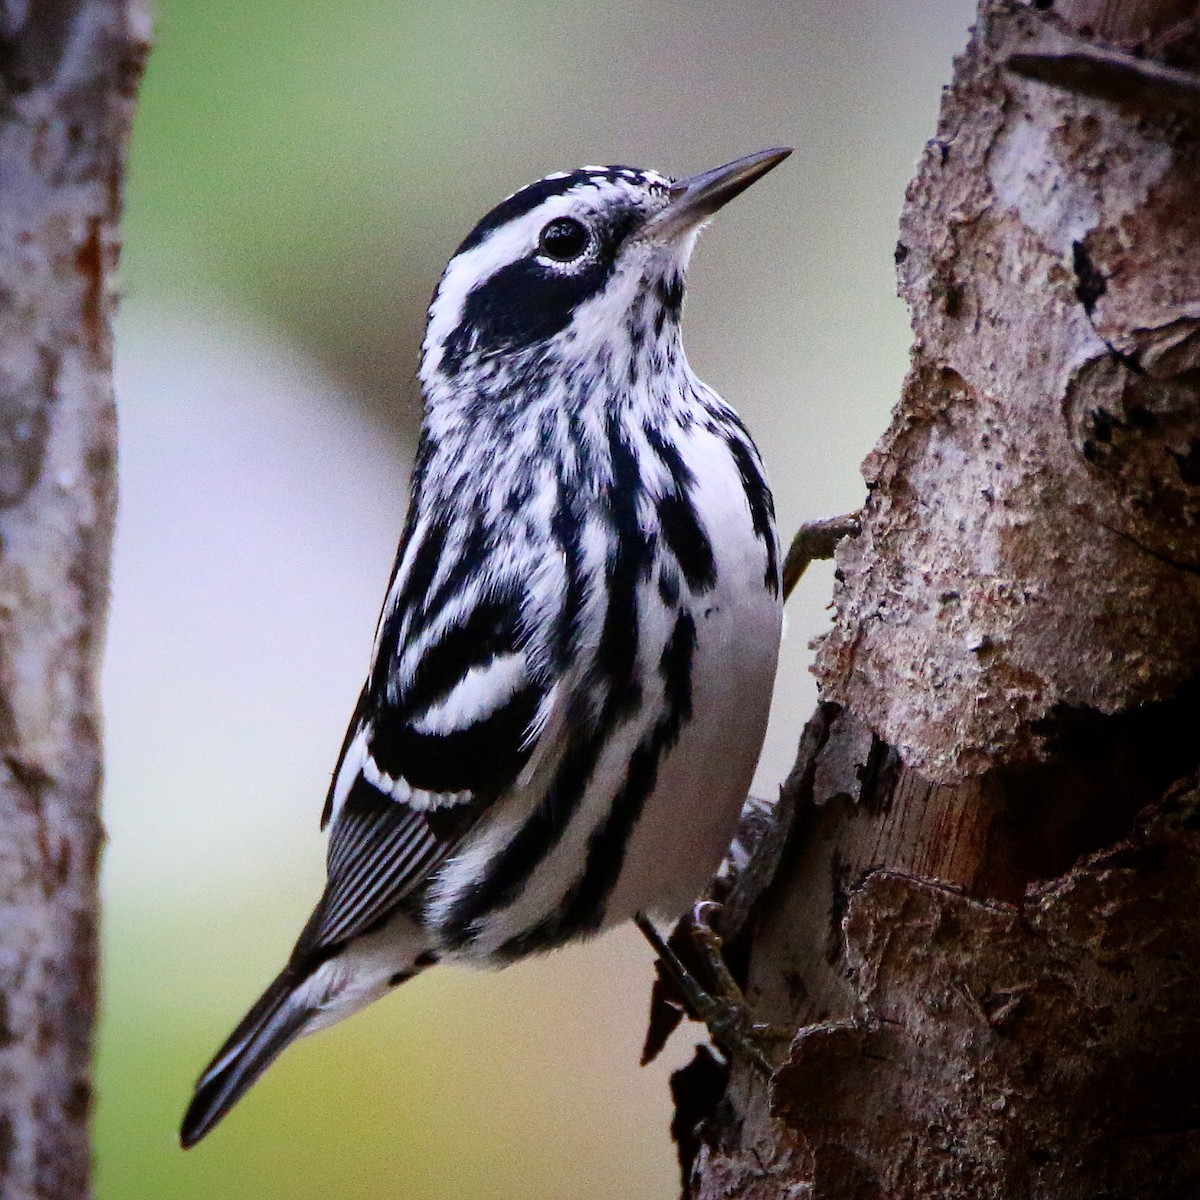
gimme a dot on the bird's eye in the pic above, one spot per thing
(564, 239)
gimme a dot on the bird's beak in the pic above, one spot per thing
(694, 200)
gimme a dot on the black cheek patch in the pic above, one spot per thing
(528, 301)
(520, 305)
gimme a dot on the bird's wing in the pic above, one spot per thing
(448, 719)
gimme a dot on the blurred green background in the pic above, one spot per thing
(301, 171)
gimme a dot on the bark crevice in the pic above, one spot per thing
(966, 996)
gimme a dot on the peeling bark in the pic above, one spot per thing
(68, 74)
(1041, 1049)
(984, 922)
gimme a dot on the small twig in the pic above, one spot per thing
(1111, 75)
(814, 540)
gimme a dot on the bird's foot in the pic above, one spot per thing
(814, 540)
(722, 1006)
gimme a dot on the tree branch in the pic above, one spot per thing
(68, 75)
(1112, 75)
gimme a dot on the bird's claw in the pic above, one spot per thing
(722, 1007)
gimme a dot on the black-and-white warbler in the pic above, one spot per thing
(573, 665)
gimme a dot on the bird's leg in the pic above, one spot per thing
(723, 1009)
(813, 540)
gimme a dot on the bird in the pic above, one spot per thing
(572, 669)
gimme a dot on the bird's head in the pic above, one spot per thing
(583, 269)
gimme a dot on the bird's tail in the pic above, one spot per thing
(276, 1020)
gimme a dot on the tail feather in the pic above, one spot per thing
(275, 1021)
(316, 989)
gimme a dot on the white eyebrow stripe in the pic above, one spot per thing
(502, 246)
(513, 240)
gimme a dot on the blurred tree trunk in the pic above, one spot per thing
(987, 918)
(69, 70)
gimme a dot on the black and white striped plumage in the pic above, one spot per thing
(573, 665)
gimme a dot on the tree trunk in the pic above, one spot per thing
(68, 74)
(987, 919)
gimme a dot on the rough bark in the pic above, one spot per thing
(985, 922)
(68, 74)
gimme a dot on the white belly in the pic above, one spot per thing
(690, 817)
